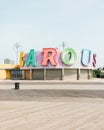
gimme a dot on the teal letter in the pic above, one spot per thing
(31, 58)
(68, 56)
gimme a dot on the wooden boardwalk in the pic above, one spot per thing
(61, 108)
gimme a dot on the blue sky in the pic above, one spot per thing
(47, 23)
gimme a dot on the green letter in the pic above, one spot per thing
(68, 56)
(31, 58)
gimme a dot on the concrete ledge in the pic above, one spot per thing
(53, 82)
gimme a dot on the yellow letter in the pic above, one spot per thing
(21, 59)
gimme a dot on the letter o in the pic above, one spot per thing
(66, 60)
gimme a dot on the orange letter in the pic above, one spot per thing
(21, 59)
(49, 55)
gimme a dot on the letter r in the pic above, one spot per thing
(49, 55)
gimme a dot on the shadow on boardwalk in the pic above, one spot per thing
(47, 94)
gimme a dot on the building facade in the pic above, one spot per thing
(52, 64)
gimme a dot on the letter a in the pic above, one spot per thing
(31, 58)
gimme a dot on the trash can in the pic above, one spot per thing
(16, 85)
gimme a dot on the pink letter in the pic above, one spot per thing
(49, 55)
(94, 60)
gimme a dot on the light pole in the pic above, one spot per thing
(17, 48)
(63, 45)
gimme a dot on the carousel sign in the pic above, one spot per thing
(51, 57)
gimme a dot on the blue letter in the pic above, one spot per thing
(86, 57)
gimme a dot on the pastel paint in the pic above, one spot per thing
(31, 58)
(51, 57)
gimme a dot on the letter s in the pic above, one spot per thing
(94, 60)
